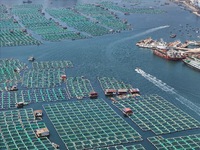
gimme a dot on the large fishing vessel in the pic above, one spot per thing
(168, 54)
(192, 62)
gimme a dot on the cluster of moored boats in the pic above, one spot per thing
(172, 51)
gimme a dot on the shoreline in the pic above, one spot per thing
(189, 6)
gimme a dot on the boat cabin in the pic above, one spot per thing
(93, 94)
(38, 113)
(122, 91)
(110, 92)
(134, 91)
(127, 111)
(20, 104)
(42, 132)
(31, 58)
(63, 77)
(13, 88)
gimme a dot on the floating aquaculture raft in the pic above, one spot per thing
(183, 142)
(17, 131)
(32, 16)
(117, 7)
(10, 72)
(102, 16)
(122, 147)
(156, 114)
(51, 64)
(112, 83)
(77, 21)
(78, 87)
(9, 99)
(12, 34)
(44, 78)
(89, 124)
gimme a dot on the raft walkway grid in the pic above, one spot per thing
(89, 124)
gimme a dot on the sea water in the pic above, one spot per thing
(116, 55)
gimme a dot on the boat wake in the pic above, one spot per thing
(137, 35)
(155, 81)
(163, 86)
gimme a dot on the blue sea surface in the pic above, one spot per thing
(116, 55)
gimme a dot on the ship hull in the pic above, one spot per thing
(190, 65)
(165, 56)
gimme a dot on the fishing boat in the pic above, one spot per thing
(31, 58)
(172, 35)
(93, 95)
(192, 62)
(56, 146)
(127, 111)
(168, 54)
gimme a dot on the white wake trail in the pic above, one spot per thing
(137, 35)
(163, 86)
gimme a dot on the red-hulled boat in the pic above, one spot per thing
(168, 54)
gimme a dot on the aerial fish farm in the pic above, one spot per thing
(183, 142)
(48, 103)
(89, 124)
(154, 113)
(18, 131)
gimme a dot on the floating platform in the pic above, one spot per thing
(17, 131)
(154, 113)
(101, 128)
(181, 142)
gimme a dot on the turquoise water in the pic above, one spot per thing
(117, 56)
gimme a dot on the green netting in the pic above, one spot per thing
(154, 113)
(10, 73)
(117, 7)
(18, 128)
(112, 83)
(176, 143)
(103, 16)
(9, 99)
(43, 78)
(89, 124)
(34, 19)
(11, 33)
(51, 64)
(79, 87)
(77, 21)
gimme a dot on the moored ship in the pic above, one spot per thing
(192, 62)
(168, 54)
